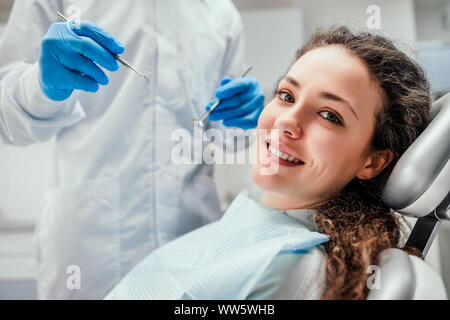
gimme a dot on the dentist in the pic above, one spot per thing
(115, 194)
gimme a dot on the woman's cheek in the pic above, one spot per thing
(325, 152)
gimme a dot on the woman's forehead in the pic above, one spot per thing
(331, 61)
(335, 69)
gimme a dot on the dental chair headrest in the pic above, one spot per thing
(420, 181)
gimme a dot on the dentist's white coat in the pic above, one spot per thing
(115, 194)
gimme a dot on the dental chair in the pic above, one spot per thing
(419, 186)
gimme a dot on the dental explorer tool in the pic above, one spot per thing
(116, 56)
(199, 123)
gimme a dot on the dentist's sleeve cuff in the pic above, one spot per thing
(27, 115)
(40, 107)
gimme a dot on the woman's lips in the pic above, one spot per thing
(282, 158)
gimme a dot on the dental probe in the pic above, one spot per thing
(116, 56)
(199, 123)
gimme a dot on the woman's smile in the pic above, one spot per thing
(282, 155)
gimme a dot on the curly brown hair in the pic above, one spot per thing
(358, 223)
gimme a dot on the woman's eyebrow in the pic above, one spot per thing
(292, 81)
(331, 96)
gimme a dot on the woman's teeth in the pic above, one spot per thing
(283, 156)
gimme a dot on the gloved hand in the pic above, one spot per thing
(242, 101)
(69, 56)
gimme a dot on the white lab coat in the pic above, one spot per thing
(115, 194)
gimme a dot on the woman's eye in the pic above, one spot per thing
(285, 96)
(331, 117)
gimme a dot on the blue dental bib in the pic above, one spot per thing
(222, 260)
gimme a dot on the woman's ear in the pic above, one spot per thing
(375, 163)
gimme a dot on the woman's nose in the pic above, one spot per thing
(288, 126)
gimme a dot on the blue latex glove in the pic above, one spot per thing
(69, 56)
(242, 101)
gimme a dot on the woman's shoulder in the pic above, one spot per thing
(294, 276)
(306, 279)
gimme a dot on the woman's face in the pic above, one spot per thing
(324, 115)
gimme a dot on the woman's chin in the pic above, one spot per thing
(266, 180)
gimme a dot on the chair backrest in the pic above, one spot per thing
(419, 186)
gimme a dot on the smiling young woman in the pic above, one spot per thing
(347, 109)
(324, 114)
(343, 114)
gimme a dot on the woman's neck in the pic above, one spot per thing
(281, 201)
